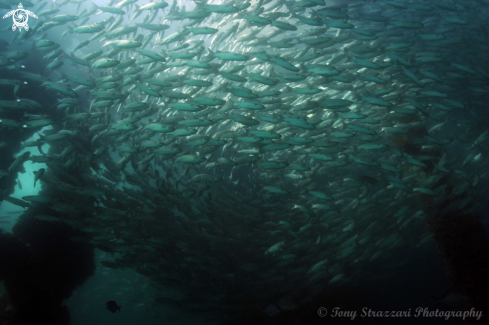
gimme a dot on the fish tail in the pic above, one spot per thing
(437, 300)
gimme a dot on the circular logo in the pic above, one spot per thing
(322, 312)
(20, 18)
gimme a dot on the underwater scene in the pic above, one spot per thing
(233, 162)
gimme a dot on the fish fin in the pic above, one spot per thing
(446, 292)
(435, 298)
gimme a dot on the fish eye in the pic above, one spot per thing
(24, 126)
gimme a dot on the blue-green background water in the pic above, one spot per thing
(215, 247)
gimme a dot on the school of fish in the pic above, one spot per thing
(247, 149)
